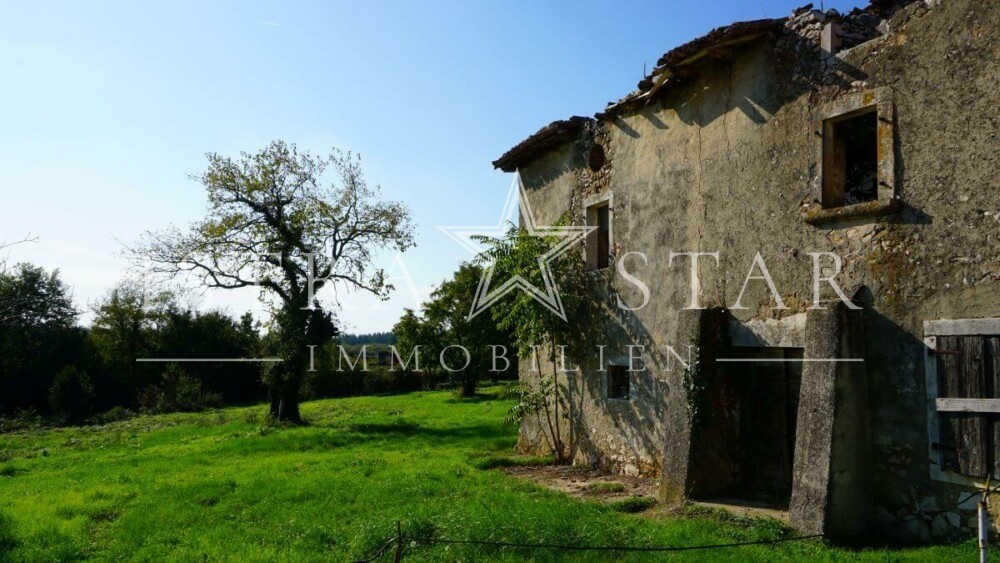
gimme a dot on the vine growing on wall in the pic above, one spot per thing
(695, 389)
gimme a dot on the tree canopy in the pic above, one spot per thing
(273, 222)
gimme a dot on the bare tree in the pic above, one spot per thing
(5, 245)
(11, 303)
(272, 223)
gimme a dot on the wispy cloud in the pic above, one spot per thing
(270, 24)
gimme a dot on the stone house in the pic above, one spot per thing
(870, 135)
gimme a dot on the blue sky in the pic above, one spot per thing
(108, 107)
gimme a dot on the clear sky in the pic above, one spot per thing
(106, 108)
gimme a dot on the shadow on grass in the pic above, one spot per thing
(495, 461)
(305, 438)
(409, 429)
(480, 397)
(10, 471)
(632, 505)
(8, 540)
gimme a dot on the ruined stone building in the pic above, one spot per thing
(870, 135)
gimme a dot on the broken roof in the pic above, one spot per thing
(715, 41)
(672, 66)
(547, 137)
(560, 131)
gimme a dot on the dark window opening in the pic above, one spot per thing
(850, 160)
(603, 237)
(596, 158)
(969, 368)
(618, 382)
(598, 250)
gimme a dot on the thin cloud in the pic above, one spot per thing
(270, 24)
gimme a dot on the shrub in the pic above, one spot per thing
(114, 414)
(327, 382)
(22, 419)
(71, 396)
(177, 391)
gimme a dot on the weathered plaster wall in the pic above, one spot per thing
(726, 161)
(940, 258)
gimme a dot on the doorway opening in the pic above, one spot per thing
(744, 449)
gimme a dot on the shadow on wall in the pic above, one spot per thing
(711, 91)
(906, 508)
(631, 432)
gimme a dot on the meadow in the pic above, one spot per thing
(226, 485)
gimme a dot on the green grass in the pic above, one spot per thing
(223, 485)
(632, 504)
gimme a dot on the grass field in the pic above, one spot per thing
(223, 485)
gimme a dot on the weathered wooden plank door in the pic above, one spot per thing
(965, 436)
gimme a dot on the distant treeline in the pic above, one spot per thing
(386, 338)
(49, 365)
(129, 358)
(144, 351)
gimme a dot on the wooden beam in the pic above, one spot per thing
(968, 405)
(660, 81)
(721, 54)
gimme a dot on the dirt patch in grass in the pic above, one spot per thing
(634, 494)
(591, 484)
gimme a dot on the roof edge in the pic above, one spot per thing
(546, 138)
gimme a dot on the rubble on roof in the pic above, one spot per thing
(722, 36)
(551, 135)
(714, 44)
(803, 29)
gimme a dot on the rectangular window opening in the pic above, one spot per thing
(850, 159)
(618, 382)
(603, 237)
(599, 241)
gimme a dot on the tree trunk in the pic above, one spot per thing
(469, 386)
(288, 391)
(294, 353)
(288, 405)
(274, 397)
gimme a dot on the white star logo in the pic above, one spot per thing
(567, 235)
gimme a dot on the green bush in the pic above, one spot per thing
(177, 391)
(114, 414)
(327, 382)
(71, 396)
(22, 419)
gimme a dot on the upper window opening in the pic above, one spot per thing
(855, 157)
(603, 236)
(850, 154)
(596, 158)
(599, 241)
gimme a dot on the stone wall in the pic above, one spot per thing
(726, 161)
